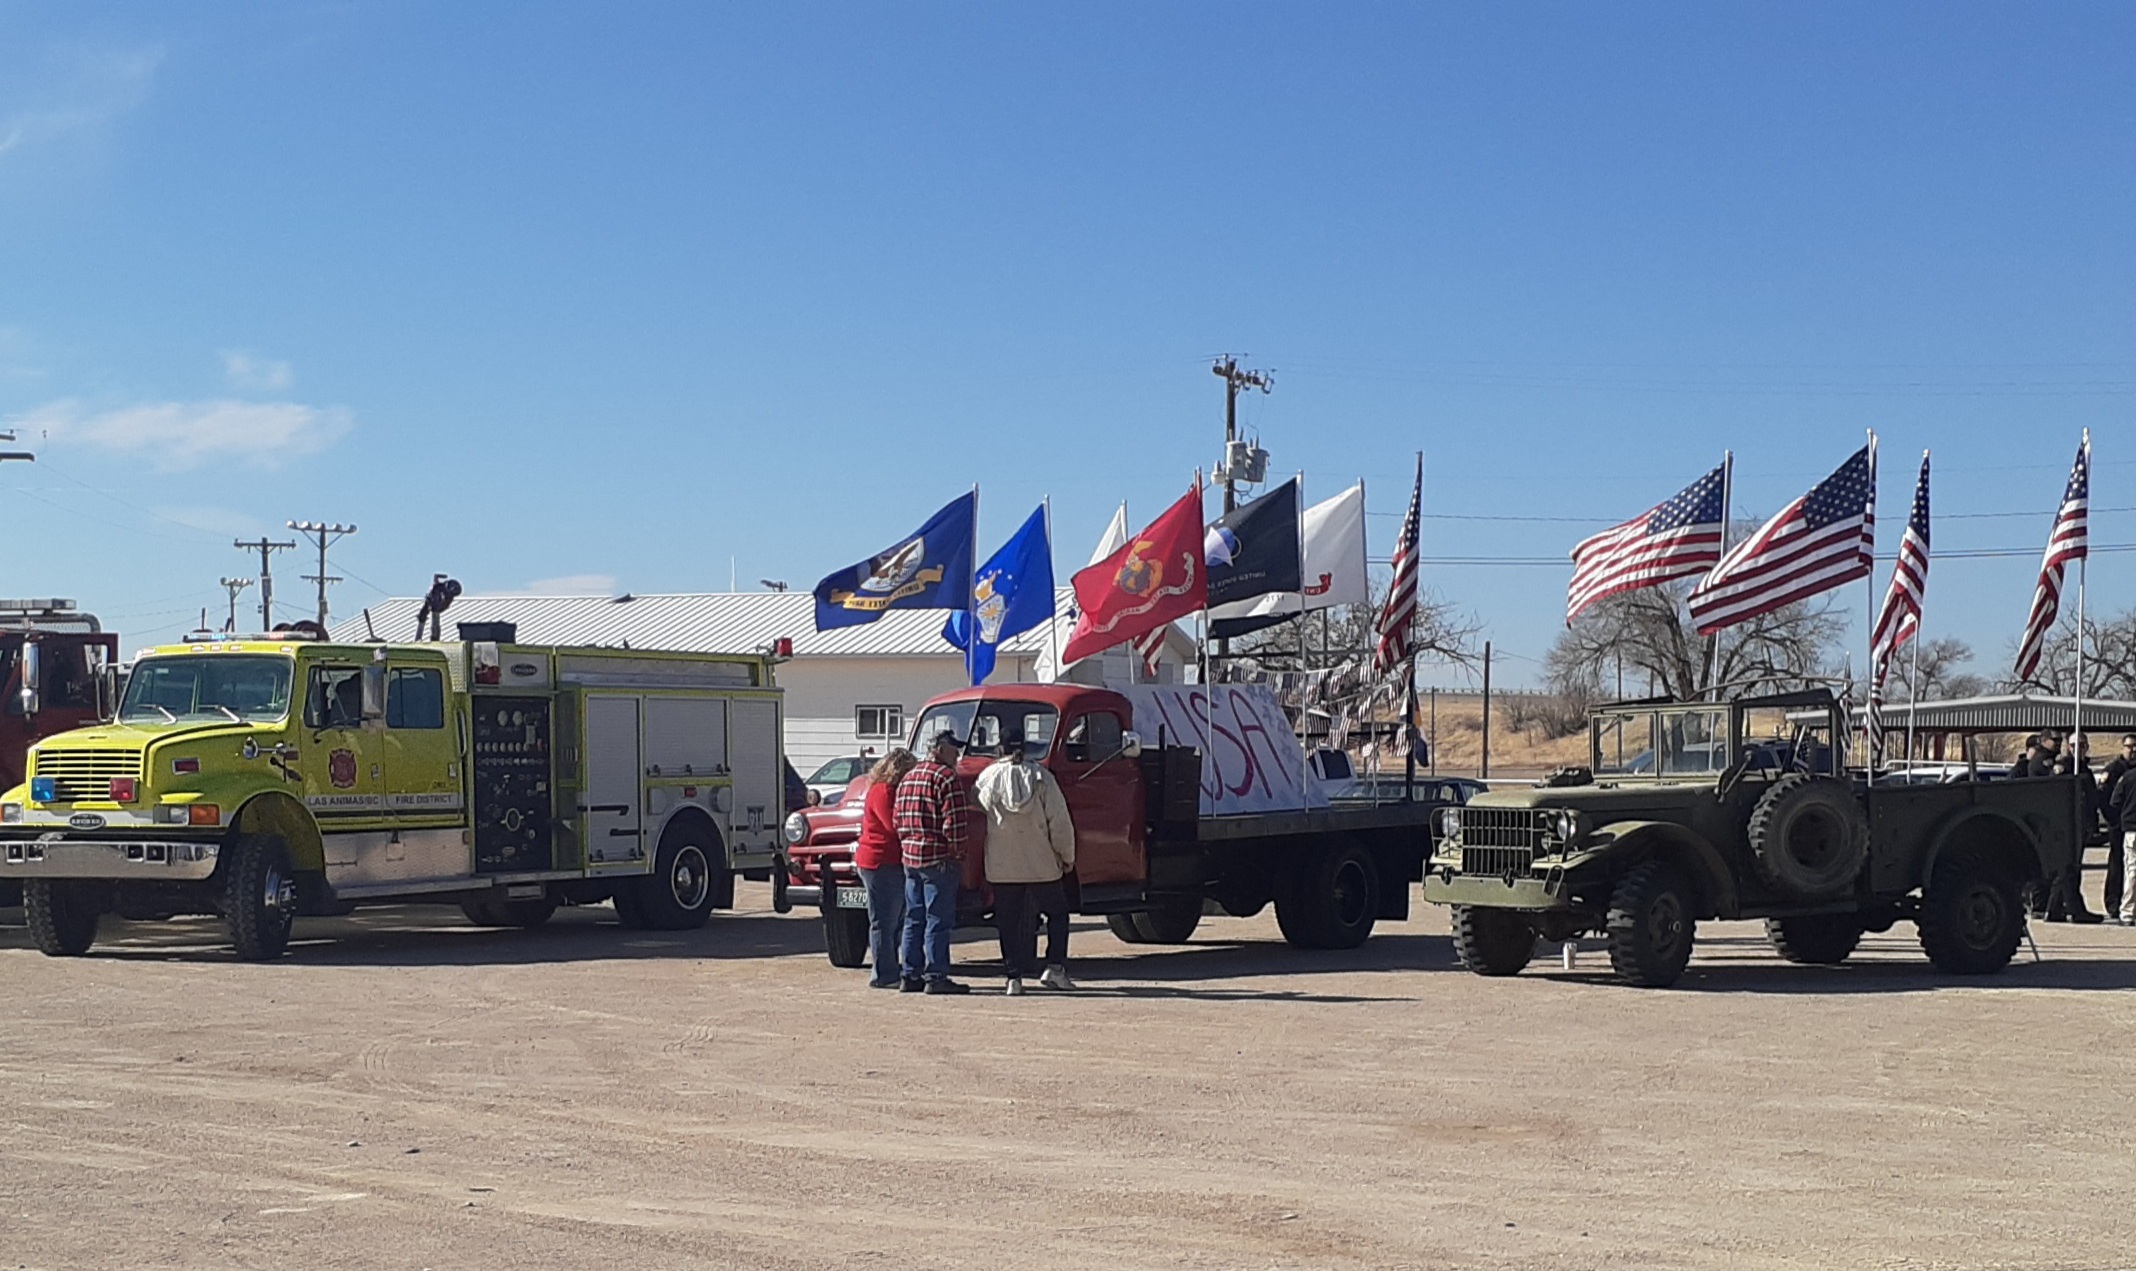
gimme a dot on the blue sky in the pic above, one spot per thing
(614, 294)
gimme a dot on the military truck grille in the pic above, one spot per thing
(1500, 827)
(85, 774)
(1496, 862)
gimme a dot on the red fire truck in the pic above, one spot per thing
(58, 670)
(1155, 793)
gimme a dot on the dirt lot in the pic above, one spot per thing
(405, 1091)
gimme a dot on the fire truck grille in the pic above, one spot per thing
(85, 774)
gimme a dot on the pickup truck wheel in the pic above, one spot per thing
(1651, 925)
(1330, 901)
(1971, 919)
(1815, 939)
(1492, 941)
(1172, 922)
(1809, 836)
(845, 936)
(259, 896)
(509, 913)
(677, 895)
(1126, 929)
(62, 916)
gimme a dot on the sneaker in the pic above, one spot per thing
(1015, 988)
(1056, 977)
(885, 984)
(911, 984)
(2086, 918)
(947, 988)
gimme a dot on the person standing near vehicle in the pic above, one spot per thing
(881, 863)
(932, 815)
(2116, 850)
(2121, 816)
(2065, 897)
(1030, 847)
(2027, 758)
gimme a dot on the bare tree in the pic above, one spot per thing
(2109, 659)
(1648, 638)
(1934, 675)
(1443, 634)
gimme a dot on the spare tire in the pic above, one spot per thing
(1809, 836)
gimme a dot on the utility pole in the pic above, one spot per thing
(233, 586)
(321, 534)
(266, 549)
(1483, 770)
(1227, 370)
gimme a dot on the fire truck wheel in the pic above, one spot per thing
(1126, 929)
(1172, 922)
(845, 936)
(630, 915)
(1330, 900)
(509, 913)
(1652, 925)
(677, 895)
(1492, 941)
(62, 916)
(259, 896)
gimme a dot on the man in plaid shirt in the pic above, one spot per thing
(932, 816)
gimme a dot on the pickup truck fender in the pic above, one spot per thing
(1621, 842)
(277, 813)
(1991, 828)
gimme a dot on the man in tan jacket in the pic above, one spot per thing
(1030, 845)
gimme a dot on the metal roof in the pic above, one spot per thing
(2010, 713)
(686, 622)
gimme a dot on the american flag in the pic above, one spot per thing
(1900, 618)
(2069, 540)
(1150, 645)
(1398, 615)
(1820, 541)
(1674, 540)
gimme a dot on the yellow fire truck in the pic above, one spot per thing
(265, 778)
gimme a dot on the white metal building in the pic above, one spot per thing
(849, 690)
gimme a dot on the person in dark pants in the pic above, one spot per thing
(2065, 898)
(881, 863)
(2116, 847)
(933, 820)
(1030, 847)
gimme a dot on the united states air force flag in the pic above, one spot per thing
(929, 569)
(1011, 593)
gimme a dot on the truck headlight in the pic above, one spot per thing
(11, 813)
(1450, 823)
(796, 829)
(1566, 823)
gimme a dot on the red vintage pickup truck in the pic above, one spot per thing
(1159, 839)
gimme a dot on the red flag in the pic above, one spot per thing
(1154, 577)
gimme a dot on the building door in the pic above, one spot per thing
(614, 821)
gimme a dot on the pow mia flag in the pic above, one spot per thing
(1253, 550)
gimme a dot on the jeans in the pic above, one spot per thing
(930, 917)
(886, 920)
(1017, 907)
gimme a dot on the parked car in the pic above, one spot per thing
(830, 781)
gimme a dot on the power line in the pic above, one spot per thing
(322, 533)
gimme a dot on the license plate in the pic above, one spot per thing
(852, 898)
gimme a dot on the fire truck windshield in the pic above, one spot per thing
(246, 687)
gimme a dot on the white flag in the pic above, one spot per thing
(1334, 534)
(1115, 537)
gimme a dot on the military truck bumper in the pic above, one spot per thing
(1496, 893)
(118, 860)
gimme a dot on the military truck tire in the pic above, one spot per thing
(1809, 836)
(677, 895)
(1125, 929)
(1652, 925)
(62, 916)
(509, 913)
(1971, 918)
(1330, 901)
(1172, 922)
(1815, 939)
(259, 902)
(1492, 941)
(845, 936)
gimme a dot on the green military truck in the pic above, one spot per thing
(1744, 809)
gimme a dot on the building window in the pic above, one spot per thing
(879, 723)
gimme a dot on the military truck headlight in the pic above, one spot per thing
(796, 829)
(1566, 823)
(11, 813)
(1450, 823)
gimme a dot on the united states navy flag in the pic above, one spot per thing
(1011, 593)
(929, 569)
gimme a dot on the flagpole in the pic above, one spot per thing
(1713, 675)
(1870, 745)
(1053, 623)
(1409, 693)
(1913, 695)
(2076, 731)
(971, 601)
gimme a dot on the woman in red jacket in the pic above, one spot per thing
(882, 866)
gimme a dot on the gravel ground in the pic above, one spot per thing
(406, 1091)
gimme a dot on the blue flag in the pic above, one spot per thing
(1012, 593)
(929, 569)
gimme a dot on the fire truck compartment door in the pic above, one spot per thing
(609, 803)
(759, 782)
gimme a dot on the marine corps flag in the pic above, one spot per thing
(930, 569)
(1154, 577)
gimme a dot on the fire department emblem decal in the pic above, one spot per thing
(341, 769)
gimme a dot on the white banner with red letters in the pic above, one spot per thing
(1251, 762)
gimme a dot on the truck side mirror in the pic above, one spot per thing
(374, 691)
(1131, 745)
(32, 676)
(107, 691)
